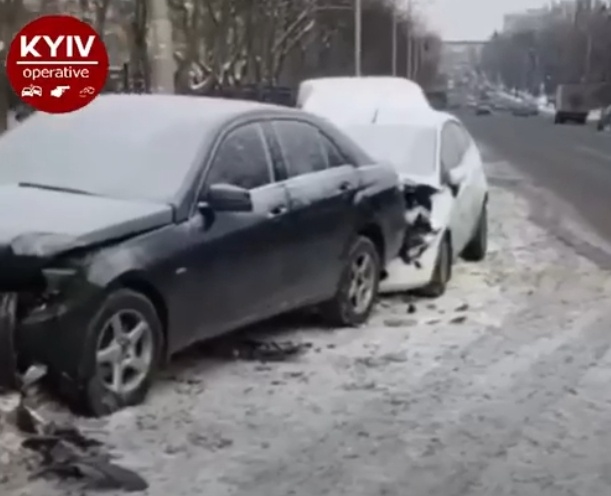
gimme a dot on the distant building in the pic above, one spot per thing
(530, 20)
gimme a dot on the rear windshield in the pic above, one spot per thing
(411, 150)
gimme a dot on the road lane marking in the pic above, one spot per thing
(593, 152)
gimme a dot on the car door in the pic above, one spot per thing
(239, 257)
(451, 161)
(321, 185)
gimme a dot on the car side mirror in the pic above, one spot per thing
(226, 198)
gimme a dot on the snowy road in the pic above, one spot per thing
(499, 388)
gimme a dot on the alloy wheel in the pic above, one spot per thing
(125, 352)
(362, 282)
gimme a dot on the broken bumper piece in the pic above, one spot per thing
(9, 375)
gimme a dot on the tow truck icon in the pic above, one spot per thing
(58, 91)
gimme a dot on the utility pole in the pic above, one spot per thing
(588, 68)
(417, 57)
(161, 48)
(394, 42)
(408, 37)
(358, 36)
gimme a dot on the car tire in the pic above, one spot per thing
(475, 251)
(442, 273)
(358, 287)
(108, 350)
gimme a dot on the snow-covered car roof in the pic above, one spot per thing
(352, 99)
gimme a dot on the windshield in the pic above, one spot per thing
(123, 155)
(411, 150)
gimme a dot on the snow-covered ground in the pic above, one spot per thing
(449, 396)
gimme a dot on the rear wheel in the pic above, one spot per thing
(358, 287)
(122, 353)
(475, 251)
(442, 272)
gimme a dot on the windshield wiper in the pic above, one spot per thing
(55, 188)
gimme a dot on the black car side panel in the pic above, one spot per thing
(381, 204)
(324, 218)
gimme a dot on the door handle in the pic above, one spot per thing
(278, 210)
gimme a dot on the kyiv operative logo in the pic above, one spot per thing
(57, 64)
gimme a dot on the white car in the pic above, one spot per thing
(446, 194)
(346, 100)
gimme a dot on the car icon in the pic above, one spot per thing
(31, 91)
(87, 91)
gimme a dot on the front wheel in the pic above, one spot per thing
(358, 286)
(122, 353)
(475, 251)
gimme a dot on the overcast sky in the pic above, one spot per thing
(471, 19)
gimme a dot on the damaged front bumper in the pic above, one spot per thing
(45, 326)
(9, 374)
(420, 233)
(414, 267)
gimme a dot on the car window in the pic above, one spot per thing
(335, 158)
(451, 149)
(301, 147)
(242, 159)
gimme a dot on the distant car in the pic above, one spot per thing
(483, 109)
(525, 109)
(605, 119)
(446, 194)
(142, 224)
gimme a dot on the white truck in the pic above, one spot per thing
(575, 101)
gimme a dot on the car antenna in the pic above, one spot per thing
(375, 116)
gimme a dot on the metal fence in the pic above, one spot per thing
(121, 80)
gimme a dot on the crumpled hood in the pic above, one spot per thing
(38, 223)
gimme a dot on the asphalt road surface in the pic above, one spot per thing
(571, 162)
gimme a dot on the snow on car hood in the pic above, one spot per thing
(43, 223)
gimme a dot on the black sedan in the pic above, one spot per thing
(142, 224)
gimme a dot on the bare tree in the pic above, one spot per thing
(13, 15)
(568, 47)
(230, 43)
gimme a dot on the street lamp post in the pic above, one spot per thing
(408, 38)
(358, 36)
(394, 42)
